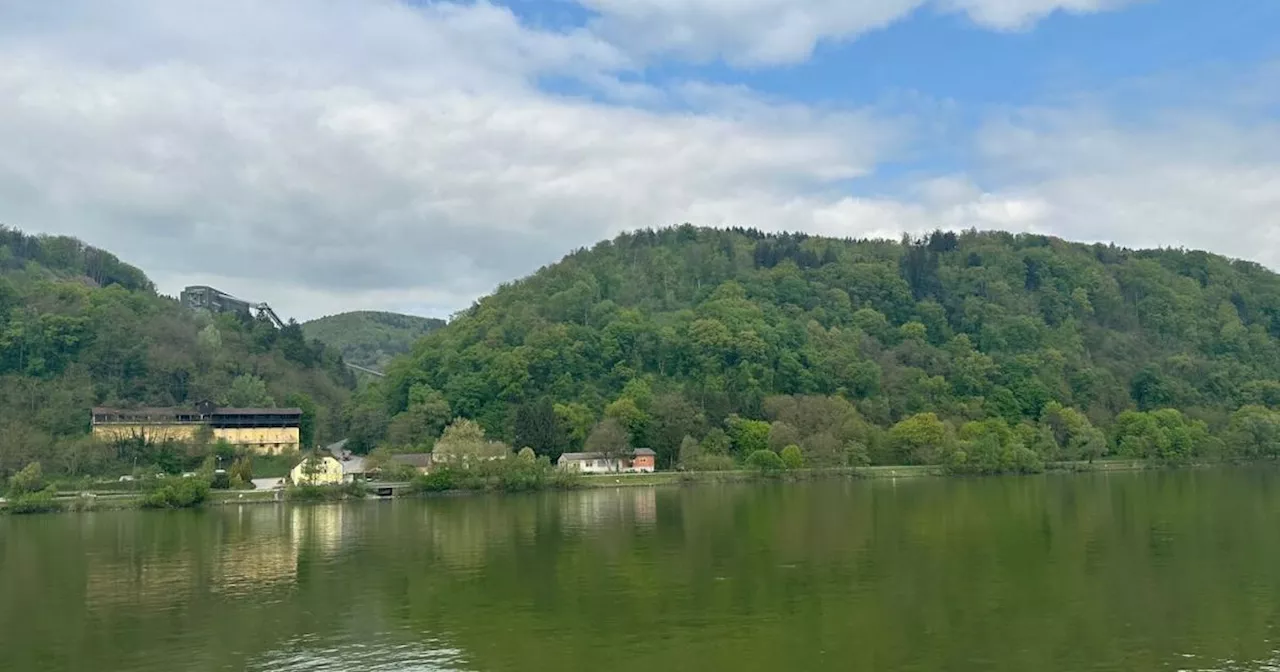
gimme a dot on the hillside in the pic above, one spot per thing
(370, 338)
(80, 328)
(980, 346)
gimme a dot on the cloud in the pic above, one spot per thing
(773, 32)
(379, 156)
(1205, 179)
(376, 155)
(1020, 14)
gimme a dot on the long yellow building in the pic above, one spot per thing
(266, 431)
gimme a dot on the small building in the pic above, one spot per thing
(325, 471)
(644, 460)
(265, 431)
(641, 460)
(421, 462)
(353, 466)
(212, 300)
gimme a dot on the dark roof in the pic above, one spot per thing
(143, 410)
(413, 459)
(171, 411)
(643, 451)
(257, 411)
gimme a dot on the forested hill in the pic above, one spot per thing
(80, 328)
(689, 336)
(370, 338)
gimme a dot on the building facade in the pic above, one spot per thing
(641, 460)
(210, 299)
(323, 470)
(265, 431)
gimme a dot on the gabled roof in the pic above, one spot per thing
(353, 465)
(413, 459)
(581, 456)
(599, 456)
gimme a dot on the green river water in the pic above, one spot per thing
(1176, 570)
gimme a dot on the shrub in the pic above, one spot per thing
(765, 461)
(242, 469)
(792, 458)
(509, 475)
(183, 493)
(28, 481)
(322, 493)
(179, 494)
(221, 480)
(36, 502)
(438, 480)
(397, 473)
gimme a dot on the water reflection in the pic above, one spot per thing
(629, 506)
(1271, 664)
(1160, 571)
(318, 653)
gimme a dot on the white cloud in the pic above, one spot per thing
(374, 155)
(1019, 14)
(772, 32)
(1204, 179)
(386, 153)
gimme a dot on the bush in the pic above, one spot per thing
(765, 461)
(323, 493)
(792, 458)
(28, 481)
(438, 480)
(397, 473)
(242, 469)
(513, 475)
(181, 493)
(221, 480)
(36, 502)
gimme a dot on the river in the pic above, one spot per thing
(1176, 570)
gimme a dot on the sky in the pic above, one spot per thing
(411, 155)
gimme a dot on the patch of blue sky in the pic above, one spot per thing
(945, 56)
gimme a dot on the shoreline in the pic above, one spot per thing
(115, 501)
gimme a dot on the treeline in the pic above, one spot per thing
(79, 328)
(984, 351)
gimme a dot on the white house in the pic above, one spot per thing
(641, 460)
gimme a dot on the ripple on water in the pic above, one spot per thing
(315, 653)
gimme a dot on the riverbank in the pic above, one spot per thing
(875, 472)
(115, 500)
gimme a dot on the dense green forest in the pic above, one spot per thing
(80, 328)
(984, 351)
(370, 338)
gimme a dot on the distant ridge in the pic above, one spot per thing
(369, 338)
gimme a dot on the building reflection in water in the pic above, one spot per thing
(260, 551)
(246, 550)
(590, 509)
(251, 550)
